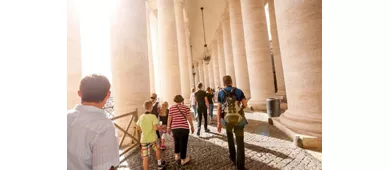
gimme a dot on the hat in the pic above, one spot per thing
(178, 99)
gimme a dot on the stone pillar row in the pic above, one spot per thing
(182, 49)
(241, 50)
(227, 45)
(238, 48)
(129, 59)
(257, 52)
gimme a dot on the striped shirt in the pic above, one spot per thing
(92, 142)
(178, 120)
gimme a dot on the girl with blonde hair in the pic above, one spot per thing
(163, 123)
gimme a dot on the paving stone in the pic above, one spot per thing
(266, 148)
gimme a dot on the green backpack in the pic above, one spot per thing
(233, 114)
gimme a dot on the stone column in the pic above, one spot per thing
(206, 75)
(300, 37)
(189, 58)
(201, 72)
(150, 53)
(227, 45)
(215, 63)
(129, 59)
(276, 51)
(197, 79)
(238, 47)
(74, 71)
(221, 56)
(212, 64)
(168, 50)
(257, 52)
(183, 56)
(210, 67)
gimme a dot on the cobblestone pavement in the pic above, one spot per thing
(265, 148)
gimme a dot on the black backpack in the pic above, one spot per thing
(232, 113)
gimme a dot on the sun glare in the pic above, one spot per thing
(95, 38)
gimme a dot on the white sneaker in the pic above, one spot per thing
(184, 161)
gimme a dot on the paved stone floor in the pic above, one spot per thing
(265, 148)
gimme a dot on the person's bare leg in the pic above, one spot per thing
(145, 163)
(158, 154)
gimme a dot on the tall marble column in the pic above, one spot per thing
(197, 74)
(276, 50)
(238, 47)
(150, 53)
(74, 71)
(221, 56)
(201, 72)
(212, 63)
(206, 75)
(257, 52)
(129, 59)
(227, 45)
(300, 38)
(215, 63)
(168, 50)
(189, 58)
(183, 56)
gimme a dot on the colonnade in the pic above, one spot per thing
(240, 48)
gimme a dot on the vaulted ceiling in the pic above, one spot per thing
(213, 10)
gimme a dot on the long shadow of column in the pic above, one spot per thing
(204, 156)
(263, 128)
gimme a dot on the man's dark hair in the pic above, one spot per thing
(227, 80)
(200, 85)
(94, 88)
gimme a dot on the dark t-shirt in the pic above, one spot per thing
(155, 109)
(164, 119)
(200, 95)
(210, 98)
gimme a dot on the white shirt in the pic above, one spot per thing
(92, 143)
(192, 99)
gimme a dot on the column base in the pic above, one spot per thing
(260, 106)
(257, 105)
(301, 140)
(303, 125)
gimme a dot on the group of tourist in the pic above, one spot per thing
(92, 142)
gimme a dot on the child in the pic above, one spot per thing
(147, 123)
(163, 126)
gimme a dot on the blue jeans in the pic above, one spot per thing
(195, 111)
(211, 110)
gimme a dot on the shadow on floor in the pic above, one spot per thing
(204, 156)
(260, 128)
(252, 147)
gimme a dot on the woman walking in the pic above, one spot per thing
(178, 119)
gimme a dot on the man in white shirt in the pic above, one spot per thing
(92, 142)
(193, 103)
